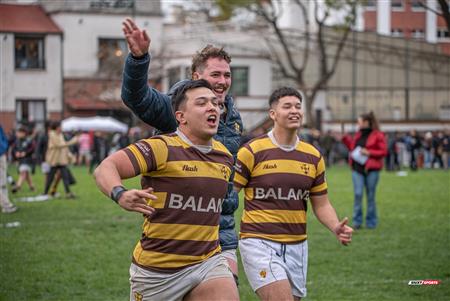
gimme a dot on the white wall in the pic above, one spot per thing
(31, 84)
(81, 34)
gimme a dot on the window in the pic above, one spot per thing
(31, 111)
(417, 34)
(442, 33)
(370, 4)
(29, 52)
(416, 5)
(112, 3)
(397, 4)
(111, 56)
(239, 76)
(397, 33)
(174, 75)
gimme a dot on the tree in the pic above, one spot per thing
(444, 13)
(327, 42)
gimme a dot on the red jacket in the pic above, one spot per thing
(376, 145)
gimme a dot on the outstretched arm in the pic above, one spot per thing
(150, 105)
(110, 174)
(326, 214)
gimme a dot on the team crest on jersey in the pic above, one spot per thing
(305, 168)
(263, 273)
(225, 173)
(138, 296)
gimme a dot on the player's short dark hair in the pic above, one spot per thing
(179, 97)
(282, 92)
(201, 57)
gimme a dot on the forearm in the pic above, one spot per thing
(325, 212)
(112, 170)
(107, 176)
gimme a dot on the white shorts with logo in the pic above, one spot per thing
(152, 285)
(266, 261)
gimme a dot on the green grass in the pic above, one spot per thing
(81, 249)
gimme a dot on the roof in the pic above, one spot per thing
(26, 19)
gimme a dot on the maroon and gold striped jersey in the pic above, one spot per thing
(190, 186)
(277, 184)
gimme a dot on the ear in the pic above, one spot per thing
(195, 75)
(179, 115)
(272, 114)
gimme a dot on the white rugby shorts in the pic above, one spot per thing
(267, 261)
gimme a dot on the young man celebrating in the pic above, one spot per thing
(154, 108)
(184, 180)
(279, 174)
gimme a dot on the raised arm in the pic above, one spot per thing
(150, 105)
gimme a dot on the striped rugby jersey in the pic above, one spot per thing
(277, 184)
(190, 186)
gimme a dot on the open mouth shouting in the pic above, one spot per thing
(212, 120)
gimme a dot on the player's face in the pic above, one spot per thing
(217, 72)
(200, 114)
(287, 113)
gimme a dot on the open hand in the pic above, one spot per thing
(138, 40)
(136, 200)
(343, 232)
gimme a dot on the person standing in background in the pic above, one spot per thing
(367, 150)
(58, 157)
(22, 152)
(5, 203)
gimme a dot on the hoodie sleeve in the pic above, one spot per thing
(150, 105)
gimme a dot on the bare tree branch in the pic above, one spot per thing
(281, 38)
(307, 35)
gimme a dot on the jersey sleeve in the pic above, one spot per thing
(319, 186)
(244, 166)
(147, 155)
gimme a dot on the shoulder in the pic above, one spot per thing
(219, 147)
(259, 143)
(309, 149)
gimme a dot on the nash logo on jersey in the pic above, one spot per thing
(190, 168)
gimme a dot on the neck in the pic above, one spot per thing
(192, 137)
(285, 136)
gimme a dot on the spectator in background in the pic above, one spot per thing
(99, 150)
(368, 148)
(413, 145)
(438, 146)
(446, 149)
(22, 153)
(392, 162)
(58, 157)
(428, 149)
(5, 203)
(84, 147)
(327, 143)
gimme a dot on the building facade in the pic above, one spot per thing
(31, 82)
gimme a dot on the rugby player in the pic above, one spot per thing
(279, 174)
(184, 181)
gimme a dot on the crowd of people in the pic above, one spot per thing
(413, 150)
(54, 152)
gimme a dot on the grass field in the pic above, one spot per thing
(80, 249)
